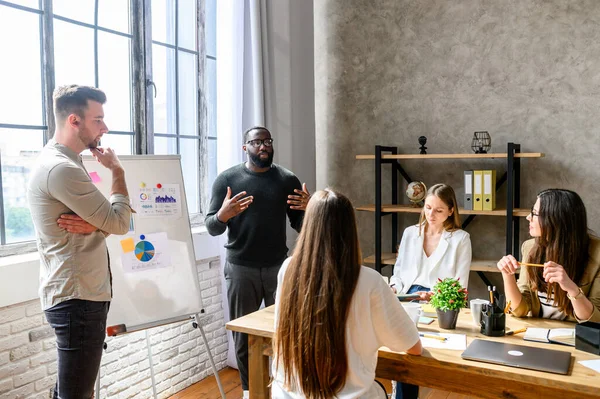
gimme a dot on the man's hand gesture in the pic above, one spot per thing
(299, 201)
(233, 206)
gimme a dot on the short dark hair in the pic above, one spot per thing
(73, 99)
(247, 132)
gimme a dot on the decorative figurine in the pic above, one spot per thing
(422, 141)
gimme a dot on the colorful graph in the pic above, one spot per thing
(144, 251)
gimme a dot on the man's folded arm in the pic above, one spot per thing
(72, 186)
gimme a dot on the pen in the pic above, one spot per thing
(520, 330)
(432, 336)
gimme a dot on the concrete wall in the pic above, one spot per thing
(389, 71)
(290, 96)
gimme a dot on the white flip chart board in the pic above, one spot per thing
(153, 266)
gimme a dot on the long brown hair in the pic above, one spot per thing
(564, 240)
(446, 194)
(310, 337)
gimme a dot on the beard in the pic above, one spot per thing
(260, 162)
(86, 138)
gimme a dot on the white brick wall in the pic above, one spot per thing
(28, 351)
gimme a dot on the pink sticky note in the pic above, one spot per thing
(95, 177)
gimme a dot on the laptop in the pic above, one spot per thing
(525, 357)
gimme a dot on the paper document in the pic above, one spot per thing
(591, 364)
(456, 342)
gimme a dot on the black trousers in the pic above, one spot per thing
(247, 287)
(80, 328)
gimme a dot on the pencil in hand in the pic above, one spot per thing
(520, 330)
(439, 338)
(507, 308)
(530, 264)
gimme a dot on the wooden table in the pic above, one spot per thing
(442, 368)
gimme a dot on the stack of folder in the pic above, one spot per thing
(480, 190)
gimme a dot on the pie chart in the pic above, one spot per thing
(144, 251)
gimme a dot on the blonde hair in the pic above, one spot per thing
(314, 303)
(447, 195)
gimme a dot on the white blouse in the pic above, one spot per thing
(451, 258)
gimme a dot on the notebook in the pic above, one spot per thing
(525, 357)
(565, 336)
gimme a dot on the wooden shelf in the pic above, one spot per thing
(402, 208)
(455, 156)
(389, 258)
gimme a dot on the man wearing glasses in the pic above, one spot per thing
(252, 200)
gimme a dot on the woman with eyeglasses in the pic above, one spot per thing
(332, 314)
(567, 286)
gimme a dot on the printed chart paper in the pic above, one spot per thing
(158, 202)
(145, 252)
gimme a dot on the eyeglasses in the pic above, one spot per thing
(534, 213)
(258, 142)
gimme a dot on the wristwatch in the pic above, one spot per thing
(576, 297)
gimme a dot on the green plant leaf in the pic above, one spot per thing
(448, 294)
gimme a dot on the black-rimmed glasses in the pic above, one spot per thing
(258, 142)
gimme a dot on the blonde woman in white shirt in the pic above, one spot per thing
(332, 314)
(435, 248)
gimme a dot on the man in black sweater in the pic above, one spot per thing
(256, 219)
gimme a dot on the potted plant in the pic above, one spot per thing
(447, 299)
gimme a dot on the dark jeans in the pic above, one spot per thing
(403, 390)
(246, 289)
(80, 328)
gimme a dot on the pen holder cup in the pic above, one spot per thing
(493, 324)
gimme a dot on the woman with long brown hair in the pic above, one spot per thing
(567, 287)
(331, 313)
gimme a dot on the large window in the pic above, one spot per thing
(92, 42)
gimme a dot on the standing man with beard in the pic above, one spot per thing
(71, 219)
(256, 218)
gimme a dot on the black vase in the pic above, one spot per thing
(447, 318)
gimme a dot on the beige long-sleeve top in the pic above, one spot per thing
(73, 266)
(589, 284)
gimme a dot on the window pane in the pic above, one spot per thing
(114, 14)
(212, 162)
(211, 27)
(188, 91)
(79, 10)
(163, 21)
(27, 3)
(18, 150)
(163, 75)
(189, 164)
(122, 144)
(211, 96)
(20, 71)
(186, 24)
(115, 79)
(73, 69)
(165, 145)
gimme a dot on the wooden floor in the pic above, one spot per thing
(208, 389)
